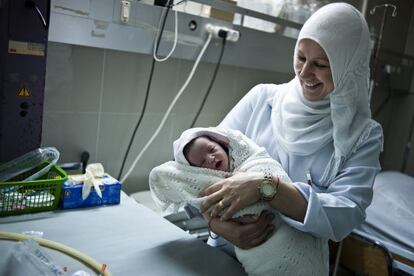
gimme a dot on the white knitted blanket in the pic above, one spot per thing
(287, 252)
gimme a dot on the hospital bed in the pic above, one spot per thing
(384, 243)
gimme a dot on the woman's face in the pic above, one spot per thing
(206, 153)
(313, 70)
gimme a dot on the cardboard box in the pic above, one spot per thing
(72, 194)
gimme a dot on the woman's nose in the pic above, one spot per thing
(211, 159)
(306, 70)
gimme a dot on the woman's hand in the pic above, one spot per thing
(229, 195)
(247, 234)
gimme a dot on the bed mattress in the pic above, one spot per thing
(390, 217)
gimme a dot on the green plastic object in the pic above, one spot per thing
(23, 197)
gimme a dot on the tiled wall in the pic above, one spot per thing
(94, 97)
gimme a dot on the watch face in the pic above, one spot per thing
(268, 189)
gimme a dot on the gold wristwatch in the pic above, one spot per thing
(268, 188)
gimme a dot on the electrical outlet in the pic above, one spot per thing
(232, 35)
(125, 11)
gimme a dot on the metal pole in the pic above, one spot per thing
(379, 41)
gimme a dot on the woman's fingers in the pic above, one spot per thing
(210, 201)
(221, 206)
(256, 233)
(266, 229)
(264, 220)
(231, 209)
(235, 192)
(244, 235)
(264, 236)
(210, 190)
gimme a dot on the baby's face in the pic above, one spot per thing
(206, 153)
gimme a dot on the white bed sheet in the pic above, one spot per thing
(390, 217)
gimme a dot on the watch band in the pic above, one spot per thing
(267, 176)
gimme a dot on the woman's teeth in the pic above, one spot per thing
(311, 85)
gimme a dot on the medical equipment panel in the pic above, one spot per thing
(23, 43)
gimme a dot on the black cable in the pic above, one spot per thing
(147, 91)
(223, 35)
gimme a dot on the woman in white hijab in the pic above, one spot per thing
(319, 127)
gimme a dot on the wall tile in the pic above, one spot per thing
(115, 133)
(71, 133)
(164, 85)
(73, 78)
(125, 81)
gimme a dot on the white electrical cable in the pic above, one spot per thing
(154, 54)
(164, 119)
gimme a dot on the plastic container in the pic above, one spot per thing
(42, 194)
(28, 162)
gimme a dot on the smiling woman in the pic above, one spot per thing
(312, 68)
(318, 127)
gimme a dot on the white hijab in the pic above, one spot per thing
(304, 127)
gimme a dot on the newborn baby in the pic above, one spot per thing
(203, 156)
(204, 152)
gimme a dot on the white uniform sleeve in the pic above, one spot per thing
(336, 211)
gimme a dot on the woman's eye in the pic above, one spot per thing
(321, 65)
(300, 58)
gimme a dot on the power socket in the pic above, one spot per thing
(232, 35)
(125, 11)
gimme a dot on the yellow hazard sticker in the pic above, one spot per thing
(24, 92)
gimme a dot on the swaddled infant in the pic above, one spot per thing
(206, 155)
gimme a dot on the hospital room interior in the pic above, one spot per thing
(93, 94)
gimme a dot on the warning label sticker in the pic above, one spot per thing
(26, 48)
(24, 92)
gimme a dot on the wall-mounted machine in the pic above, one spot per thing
(23, 44)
